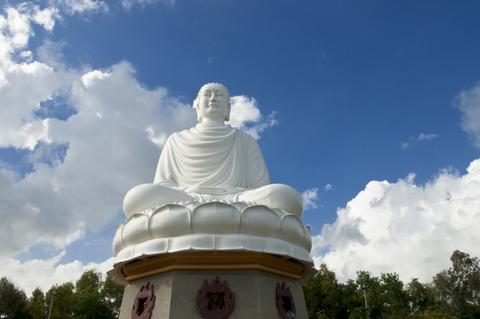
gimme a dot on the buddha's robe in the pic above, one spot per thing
(212, 160)
(211, 163)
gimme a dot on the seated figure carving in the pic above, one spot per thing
(212, 162)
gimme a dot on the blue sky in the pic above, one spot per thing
(359, 92)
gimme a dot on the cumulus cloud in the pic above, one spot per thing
(422, 137)
(245, 114)
(19, 75)
(44, 273)
(403, 227)
(63, 195)
(468, 102)
(310, 197)
(107, 151)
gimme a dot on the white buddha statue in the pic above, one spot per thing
(212, 162)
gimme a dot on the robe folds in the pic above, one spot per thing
(212, 160)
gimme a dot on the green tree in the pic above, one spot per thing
(61, 304)
(421, 297)
(88, 301)
(113, 293)
(458, 288)
(393, 296)
(323, 295)
(371, 287)
(353, 300)
(37, 306)
(432, 314)
(13, 301)
(90, 281)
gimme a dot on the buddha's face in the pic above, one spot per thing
(213, 103)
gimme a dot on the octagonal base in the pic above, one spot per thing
(255, 293)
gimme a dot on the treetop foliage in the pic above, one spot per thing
(453, 293)
(89, 298)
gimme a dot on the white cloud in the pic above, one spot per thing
(426, 136)
(27, 55)
(309, 198)
(244, 109)
(51, 53)
(468, 102)
(106, 156)
(328, 187)
(72, 7)
(89, 79)
(245, 114)
(422, 137)
(44, 273)
(128, 4)
(58, 201)
(24, 85)
(46, 17)
(403, 227)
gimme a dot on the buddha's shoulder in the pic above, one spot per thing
(181, 134)
(226, 131)
(244, 135)
(240, 134)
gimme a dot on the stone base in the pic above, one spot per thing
(255, 294)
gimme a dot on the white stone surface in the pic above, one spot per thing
(212, 159)
(212, 226)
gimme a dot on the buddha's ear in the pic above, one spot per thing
(227, 116)
(195, 106)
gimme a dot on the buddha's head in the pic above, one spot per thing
(212, 103)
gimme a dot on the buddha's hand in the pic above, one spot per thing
(206, 190)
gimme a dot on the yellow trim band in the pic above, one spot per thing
(213, 260)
